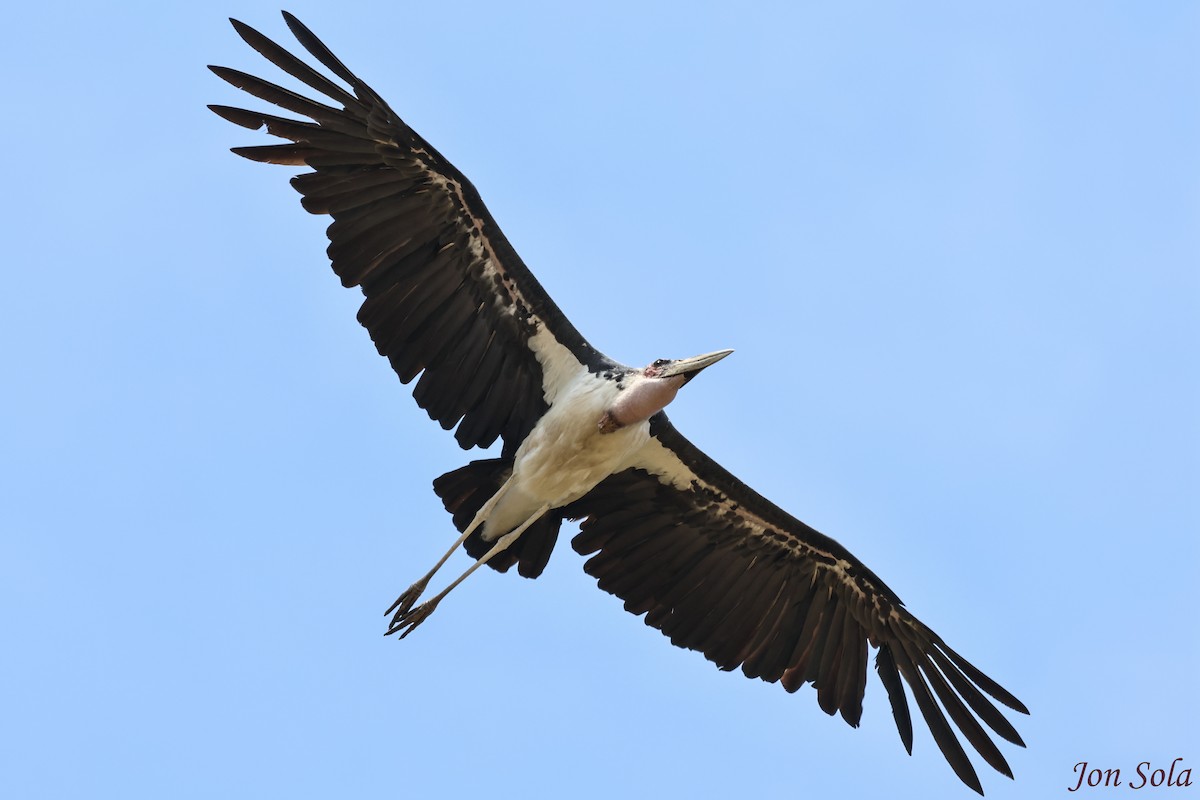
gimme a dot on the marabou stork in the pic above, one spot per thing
(709, 562)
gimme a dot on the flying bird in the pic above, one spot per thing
(709, 562)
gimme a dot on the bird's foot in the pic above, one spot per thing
(405, 622)
(406, 601)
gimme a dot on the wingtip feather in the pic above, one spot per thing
(238, 116)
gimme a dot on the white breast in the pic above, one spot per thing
(565, 455)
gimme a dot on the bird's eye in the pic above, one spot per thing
(658, 362)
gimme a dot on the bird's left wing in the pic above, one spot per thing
(719, 569)
(447, 297)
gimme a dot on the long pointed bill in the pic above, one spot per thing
(690, 367)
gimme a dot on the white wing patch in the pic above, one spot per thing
(560, 367)
(662, 463)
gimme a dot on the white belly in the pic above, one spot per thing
(565, 455)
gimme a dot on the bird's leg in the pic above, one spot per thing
(406, 622)
(405, 601)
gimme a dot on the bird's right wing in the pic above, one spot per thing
(447, 297)
(718, 568)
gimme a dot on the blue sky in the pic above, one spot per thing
(957, 250)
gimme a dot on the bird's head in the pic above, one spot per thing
(651, 388)
(686, 368)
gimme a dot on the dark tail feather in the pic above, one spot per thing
(464, 491)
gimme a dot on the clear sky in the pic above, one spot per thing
(956, 248)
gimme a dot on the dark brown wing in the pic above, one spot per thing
(447, 297)
(719, 569)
